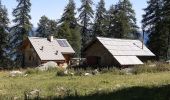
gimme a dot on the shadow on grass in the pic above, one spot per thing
(133, 93)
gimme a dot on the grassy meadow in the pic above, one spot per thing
(105, 86)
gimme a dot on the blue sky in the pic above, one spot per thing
(54, 8)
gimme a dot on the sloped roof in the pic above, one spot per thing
(124, 47)
(125, 51)
(128, 60)
(51, 49)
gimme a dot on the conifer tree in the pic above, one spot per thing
(153, 24)
(52, 28)
(69, 28)
(42, 27)
(20, 30)
(100, 21)
(111, 22)
(165, 13)
(46, 27)
(3, 35)
(86, 14)
(125, 20)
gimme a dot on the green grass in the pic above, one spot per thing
(80, 86)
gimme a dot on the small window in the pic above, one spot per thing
(30, 58)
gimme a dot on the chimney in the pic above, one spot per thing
(50, 38)
(143, 38)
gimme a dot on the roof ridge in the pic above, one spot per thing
(116, 38)
(44, 38)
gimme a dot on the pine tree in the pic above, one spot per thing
(69, 14)
(86, 14)
(21, 29)
(111, 22)
(52, 28)
(42, 27)
(100, 21)
(3, 35)
(125, 20)
(166, 24)
(69, 28)
(46, 27)
(153, 24)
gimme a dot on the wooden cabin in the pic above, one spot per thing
(37, 50)
(116, 52)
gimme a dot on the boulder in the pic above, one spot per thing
(35, 92)
(16, 73)
(32, 94)
(47, 66)
(65, 66)
(152, 65)
(87, 74)
(66, 72)
(128, 71)
(95, 72)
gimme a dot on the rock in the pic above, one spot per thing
(168, 61)
(16, 73)
(100, 89)
(128, 71)
(87, 74)
(66, 72)
(118, 86)
(25, 75)
(16, 98)
(47, 66)
(95, 72)
(34, 92)
(72, 74)
(152, 65)
(65, 66)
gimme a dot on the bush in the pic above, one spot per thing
(32, 71)
(60, 72)
(79, 72)
(143, 69)
(162, 67)
(112, 70)
(151, 68)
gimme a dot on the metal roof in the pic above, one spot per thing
(128, 60)
(50, 50)
(122, 47)
(125, 51)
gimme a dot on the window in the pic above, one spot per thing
(63, 43)
(30, 58)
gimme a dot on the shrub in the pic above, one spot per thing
(32, 71)
(60, 72)
(143, 69)
(162, 67)
(104, 70)
(148, 68)
(79, 72)
(112, 70)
